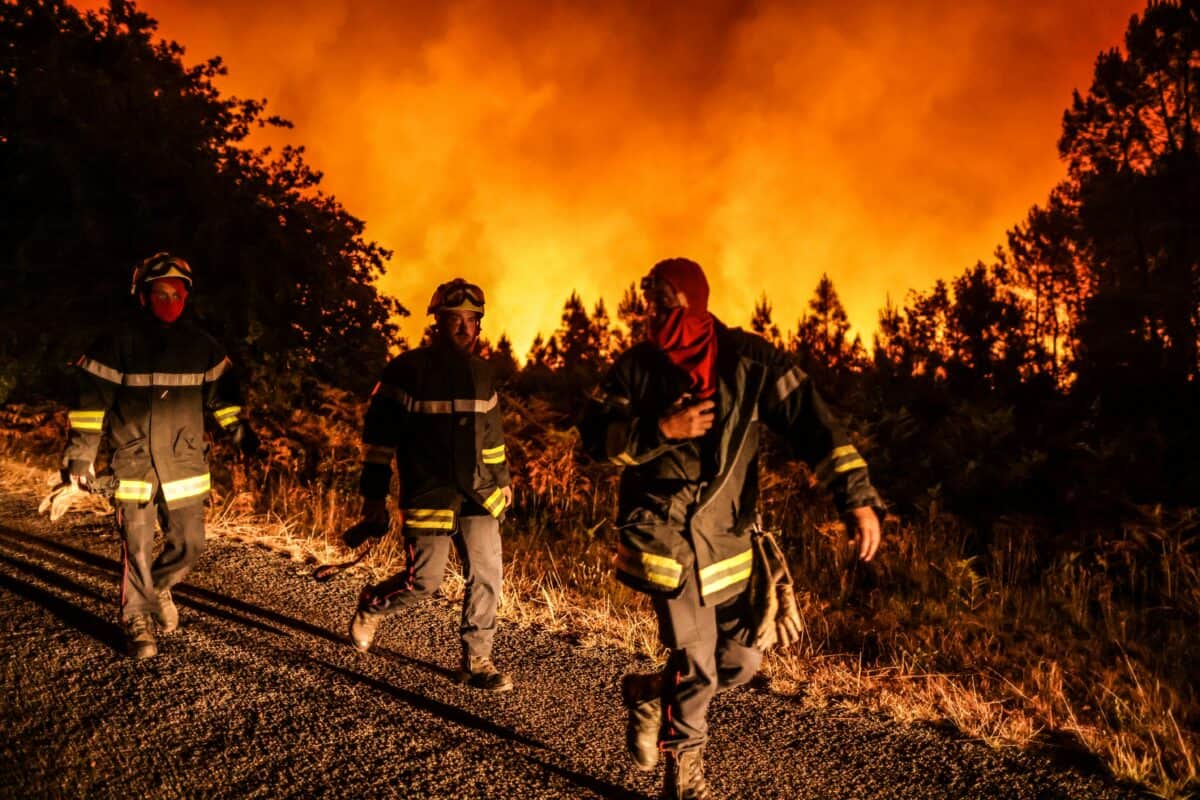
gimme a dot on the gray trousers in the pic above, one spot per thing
(143, 576)
(477, 541)
(710, 653)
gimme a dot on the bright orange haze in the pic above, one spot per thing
(540, 147)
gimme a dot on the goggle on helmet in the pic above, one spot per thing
(457, 295)
(160, 265)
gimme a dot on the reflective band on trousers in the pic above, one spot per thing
(648, 567)
(134, 491)
(454, 406)
(86, 420)
(722, 574)
(494, 503)
(227, 416)
(624, 459)
(186, 487)
(378, 454)
(439, 519)
(842, 459)
(493, 455)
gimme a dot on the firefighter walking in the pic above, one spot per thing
(435, 413)
(150, 385)
(681, 413)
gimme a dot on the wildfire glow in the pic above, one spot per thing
(538, 148)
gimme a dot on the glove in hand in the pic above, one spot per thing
(247, 440)
(62, 495)
(367, 529)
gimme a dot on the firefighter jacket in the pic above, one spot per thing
(436, 411)
(151, 386)
(686, 507)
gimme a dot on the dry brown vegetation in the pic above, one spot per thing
(1091, 646)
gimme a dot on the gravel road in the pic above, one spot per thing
(260, 695)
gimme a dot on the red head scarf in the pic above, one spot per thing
(687, 335)
(168, 310)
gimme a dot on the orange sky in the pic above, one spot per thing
(540, 147)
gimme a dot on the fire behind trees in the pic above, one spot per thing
(1060, 378)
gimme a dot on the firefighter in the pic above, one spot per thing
(681, 413)
(150, 385)
(435, 412)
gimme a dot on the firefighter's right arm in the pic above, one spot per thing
(98, 378)
(382, 434)
(614, 429)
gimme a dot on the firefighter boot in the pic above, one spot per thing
(479, 672)
(168, 613)
(139, 635)
(642, 695)
(685, 777)
(362, 628)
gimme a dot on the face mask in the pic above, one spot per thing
(168, 310)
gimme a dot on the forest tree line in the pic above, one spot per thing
(1060, 377)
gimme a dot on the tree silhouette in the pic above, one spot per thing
(111, 150)
(760, 321)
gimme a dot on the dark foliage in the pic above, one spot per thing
(111, 149)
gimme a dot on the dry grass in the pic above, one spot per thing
(1091, 642)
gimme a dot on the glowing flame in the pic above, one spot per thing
(538, 148)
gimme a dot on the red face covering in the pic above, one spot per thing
(687, 335)
(168, 310)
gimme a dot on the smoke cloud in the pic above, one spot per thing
(543, 147)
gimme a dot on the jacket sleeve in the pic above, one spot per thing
(383, 432)
(493, 454)
(614, 428)
(98, 377)
(792, 408)
(222, 391)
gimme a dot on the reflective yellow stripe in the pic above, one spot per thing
(725, 573)
(728, 580)
(624, 458)
(86, 420)
(134, 491)
(227, 416)
(493, 455)
(378, 454)
(494, 503)
(842, 459)
(184, 488)
(441, 519)
(656, 569)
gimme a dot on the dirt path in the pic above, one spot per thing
(259, 695)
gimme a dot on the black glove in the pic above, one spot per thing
(364, 530)
(247, 440)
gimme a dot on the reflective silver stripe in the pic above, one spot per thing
(440, 519)
(92, 421)
(378, 454)
(184, 488)
(791, 380)
(172, 379)
(842, 459)
(435, 406)
(494, 503)
(734, 569)
(100, 370)
(659, 570)
(219, 370)
(134, 491)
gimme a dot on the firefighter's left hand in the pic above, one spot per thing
(247, 440)
(506, 492)
(864, 530)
